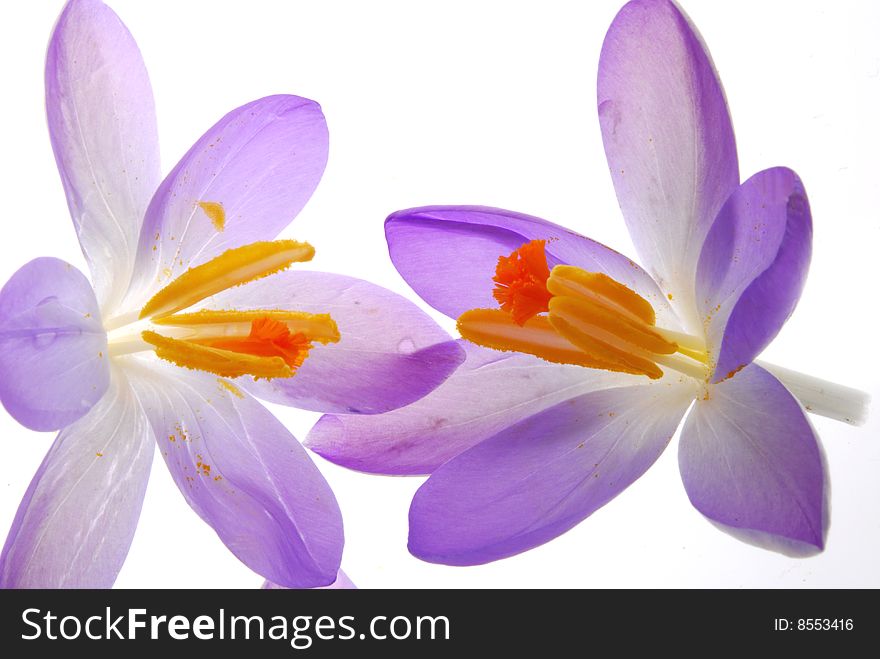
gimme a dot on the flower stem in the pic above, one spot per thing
(821, 397)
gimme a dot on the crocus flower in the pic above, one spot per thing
(187, 270)
(592, 361)
(342, 583)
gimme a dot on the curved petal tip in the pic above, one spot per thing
(53, 349)
(751, 463)
(753, 267)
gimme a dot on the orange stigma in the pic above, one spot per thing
(521, 282)
(267, 338)
(591, 320)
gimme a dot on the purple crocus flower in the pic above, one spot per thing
(521, 449)
(180, 269)
(342, 583)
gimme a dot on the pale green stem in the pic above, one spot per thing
(822, 397)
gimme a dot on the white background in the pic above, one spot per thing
(494, 103)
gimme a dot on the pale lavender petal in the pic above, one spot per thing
(53, 349)
(668, 139)
(77, 519)
(244, 474)
(491, 391)
(342, 583)
(448, 254)
(751, 463)
(390, 354)
(102, 123)
(753, 267)
(261, 162)
(539, 478)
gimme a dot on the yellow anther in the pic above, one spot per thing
(224, 363)
(588, 335)
(602, 289)
(217, 324)
(608, 325)
(496, 329)
(232, 268)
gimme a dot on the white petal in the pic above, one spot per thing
(102, 123)
(76, 521)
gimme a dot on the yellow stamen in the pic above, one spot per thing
(215, 212)
(602, 344)
(572, 281)
(496, 329)
(608, 326)
(216, 324)
(232, 268)
(224, 363)
(592, 320)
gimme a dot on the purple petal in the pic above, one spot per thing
(53, 349)
(261, 162)
(753, 267)
(751, 463)
(448, 254)
(244, 474)
(102, 123)
(668, 139)
(342, 583)
(77, 519)
(390, 354)
(542, 476)
(491, 391)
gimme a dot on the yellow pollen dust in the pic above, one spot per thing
(215, 212)
(231, 388)
(591, 320)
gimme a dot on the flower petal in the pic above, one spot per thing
(243, 181)
(244, 474)
(668, 139)
(753, 267)
(488, 393)
(342, 583)
(102, 122)
(53, 349)
(390, 353)
(542, 476)
(448, 254)
(751, 463)
(77, 519)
